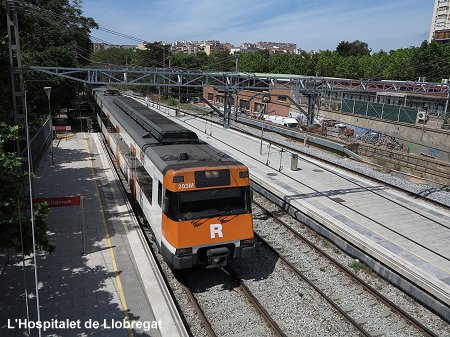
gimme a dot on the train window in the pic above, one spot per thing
(159, 193)
(191, 205)
(146, 185)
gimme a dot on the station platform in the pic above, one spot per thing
(402, 239)
(115, 283)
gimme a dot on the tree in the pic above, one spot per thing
(256, 62)
(327, 62)
(156, 55)
(220, 60)
(355, 48)
(12, 215)
(115, 56)
(52, 33)
(190, 61)
(347, 67)
(5, 88)
(280, 64)
(400, 65)
(432, 60)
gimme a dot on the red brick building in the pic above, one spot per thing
(273, 102)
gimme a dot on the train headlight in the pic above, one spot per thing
(246, 242)
(178, 179)
(243, 174)
(183, 251)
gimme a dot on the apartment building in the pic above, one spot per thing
(212, 46)
(440, 23)
(277, 47)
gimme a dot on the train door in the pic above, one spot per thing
(157, 203)
(117, 148)
(132, 171)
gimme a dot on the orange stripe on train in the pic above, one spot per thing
(199, 232)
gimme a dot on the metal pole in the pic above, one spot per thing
(48, 91)
(51, 144)
(83, 239)
(23, 264)
(262, 134)
(446, 105)
(31, 210)
(281, 160)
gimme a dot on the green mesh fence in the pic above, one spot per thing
(378, 110)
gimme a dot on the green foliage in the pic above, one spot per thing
(257, 62)
(10, 188)
(432, 60)
(355, 48)
(156, 55)
(41, 238)
(52, 33)
(220, 60)
(326, 63)
(356, 265)
(172, 101)
(116, 56)
(401, 65)
(190, 61)
(350, 60)
(9, 161)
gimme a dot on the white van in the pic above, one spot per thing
(285, 121)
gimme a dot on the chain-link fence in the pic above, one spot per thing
(397, 113)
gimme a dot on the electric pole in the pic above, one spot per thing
(15, 66)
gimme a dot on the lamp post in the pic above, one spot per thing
(48, 90)
(27, 130)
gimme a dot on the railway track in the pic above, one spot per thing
(305, 156)
(207, 315)
(239, 313)
(360, 304)
(227, 305)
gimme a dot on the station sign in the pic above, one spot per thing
(74, 200)
(62, 128)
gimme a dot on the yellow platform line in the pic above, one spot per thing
(111, 251)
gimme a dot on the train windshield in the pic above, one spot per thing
(207, 203)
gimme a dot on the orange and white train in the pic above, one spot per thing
(196, 198)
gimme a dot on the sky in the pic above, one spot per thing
(311, 24)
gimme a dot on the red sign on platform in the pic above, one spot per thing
(62, 128)
(60, 201)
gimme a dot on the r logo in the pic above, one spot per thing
(215, 229)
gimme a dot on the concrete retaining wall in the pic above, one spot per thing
(436, 170)
(419, 139)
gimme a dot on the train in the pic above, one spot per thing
(196, 199)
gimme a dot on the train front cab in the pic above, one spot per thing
(207, 216)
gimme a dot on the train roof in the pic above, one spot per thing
(168, 144)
